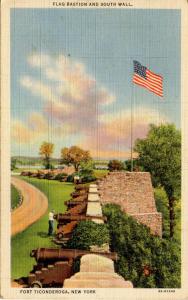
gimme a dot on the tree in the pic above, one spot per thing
(136, 167)
(13, 163)
(115, 165)
(75, 156)
(46, 151)
(160, 154)
(161, 200)
(86, 168)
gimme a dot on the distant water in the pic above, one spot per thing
(30, 167)
(37, 166)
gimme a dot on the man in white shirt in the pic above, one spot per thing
(51, 222)
(76, 179)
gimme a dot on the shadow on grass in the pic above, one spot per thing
(43, 234)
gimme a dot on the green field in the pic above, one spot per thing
(15, 198)
(100, 173)
(36, 235)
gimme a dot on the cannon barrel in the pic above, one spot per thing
(61, 217)
(79, 198)
(50, 254)
(81, 187)
(75, 201)
(79, 193)
(77, 209)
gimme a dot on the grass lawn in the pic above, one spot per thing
(15, 198)
(36, 235)
(100, 173)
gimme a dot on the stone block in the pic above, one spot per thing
(98, 221)
(93, 197)
(93, 190)
(93, 185)
(94, 209)
(96, 263)
(96, 272)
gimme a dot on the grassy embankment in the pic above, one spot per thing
(15, 198)
(36, 235)
(162, 206)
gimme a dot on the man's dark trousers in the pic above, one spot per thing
(51, 227)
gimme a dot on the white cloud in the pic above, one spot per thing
(75, 101)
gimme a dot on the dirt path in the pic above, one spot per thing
(34, 205)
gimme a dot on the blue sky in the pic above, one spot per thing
(71, 77)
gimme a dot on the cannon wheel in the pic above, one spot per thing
(36, 284)
(60, 236)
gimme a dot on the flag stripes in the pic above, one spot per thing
(146, 78)
(142, 83)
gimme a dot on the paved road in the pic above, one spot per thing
(34, 205)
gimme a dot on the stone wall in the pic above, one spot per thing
(133, 191)
(152, 220)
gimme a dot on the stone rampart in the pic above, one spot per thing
(133, 191)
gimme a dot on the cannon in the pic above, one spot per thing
(81, 197)
(81, 187)
(76, 200)
(78, 209)
(63, 219)
(64, 231)
(55, 265)
(50, 255)
(66, 225)
(79, 193)
(26, 173)
(72, 203)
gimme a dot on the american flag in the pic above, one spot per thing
(144, 77)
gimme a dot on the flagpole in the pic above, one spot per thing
(132, 120)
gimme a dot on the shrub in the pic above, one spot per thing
(70, 178)
(88, 178)
(84, 179)
(88, 233)
(147, 260)
(136, 166)
(60, 176)
(115, 165)
(49, 175)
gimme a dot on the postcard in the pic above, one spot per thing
(94, 149)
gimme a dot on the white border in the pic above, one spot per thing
(12, 293)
